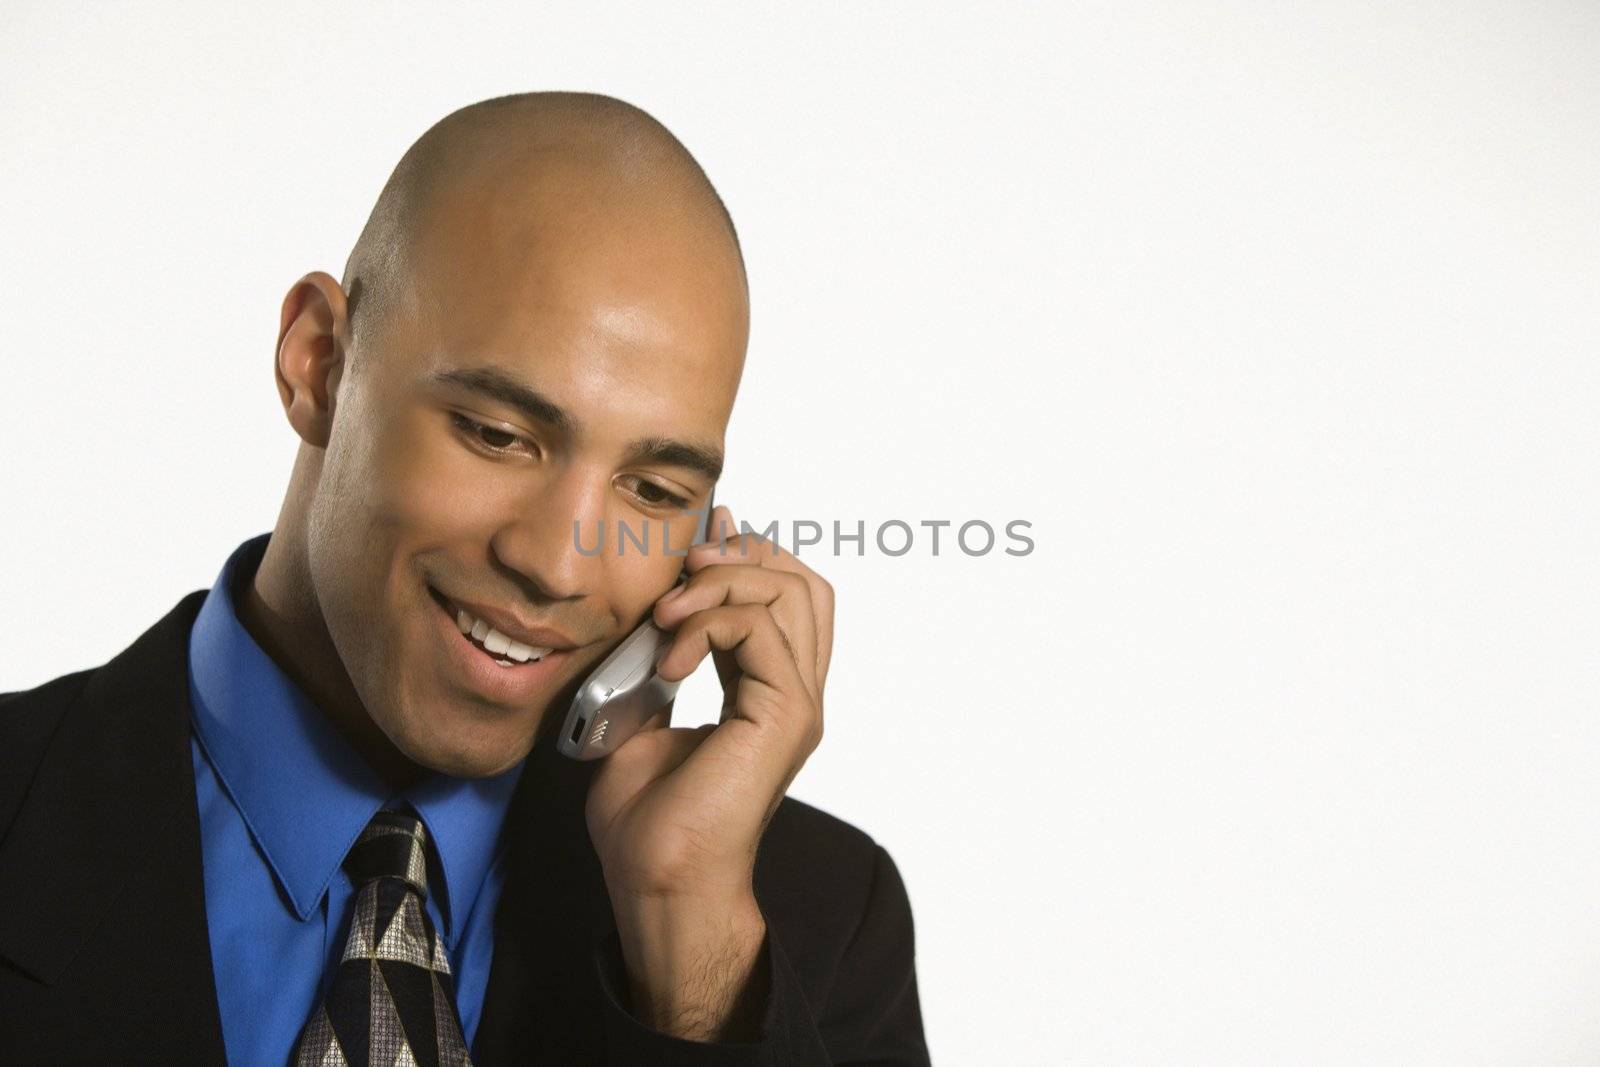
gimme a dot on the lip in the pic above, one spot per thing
(518, 685)
(535, 636)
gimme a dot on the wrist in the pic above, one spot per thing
(694, 964)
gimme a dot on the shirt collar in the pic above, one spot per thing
(303, 791)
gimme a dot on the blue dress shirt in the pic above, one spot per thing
(282, 797)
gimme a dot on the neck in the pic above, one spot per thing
(278, 608)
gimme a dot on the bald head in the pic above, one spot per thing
(522, 167)
(541, 329)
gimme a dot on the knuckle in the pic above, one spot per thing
(689, 632)
(751, 616)
(712, 619)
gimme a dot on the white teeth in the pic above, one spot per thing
(523, 653)
(498, 643)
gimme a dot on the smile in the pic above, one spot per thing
(483, 662)
(520, 651)
(496, 643)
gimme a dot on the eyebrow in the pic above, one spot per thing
(498, 385)
(707, 461)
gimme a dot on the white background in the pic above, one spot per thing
(1278, 322)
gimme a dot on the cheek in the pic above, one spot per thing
(371, 507)
(636, 581)
(427, 485)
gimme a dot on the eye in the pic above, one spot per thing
(655, 496)
(486, 437)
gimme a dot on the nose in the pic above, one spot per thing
(538, 543)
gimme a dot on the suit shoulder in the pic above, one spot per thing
(833, 897)
(804, 835)
(28, 719)
(27, 712)
(816, 870)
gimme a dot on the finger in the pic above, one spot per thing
(661, 750)
(643, 758)
(749, 547)
(724, 540)
(785, 594)
(722, 525)
(822, 609)
(767, 666)
(753, 549)
(660, 720)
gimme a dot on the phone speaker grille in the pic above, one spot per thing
(598, 734)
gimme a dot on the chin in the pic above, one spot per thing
(473, 763)
(469, 750)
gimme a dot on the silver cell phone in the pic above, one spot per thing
(625, 690)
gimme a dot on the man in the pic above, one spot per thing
(316, 815)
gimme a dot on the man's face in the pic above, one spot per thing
(440, 493)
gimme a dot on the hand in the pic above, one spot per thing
(676, 814)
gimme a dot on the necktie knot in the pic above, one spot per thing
(391, 1000)
(393, 845)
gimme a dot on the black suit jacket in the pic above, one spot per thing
(105, 956)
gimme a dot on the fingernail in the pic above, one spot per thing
(670, 593)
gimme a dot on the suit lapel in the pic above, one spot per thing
(543, 1003)
(102, 894)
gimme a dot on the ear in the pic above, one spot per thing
(313, 330)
